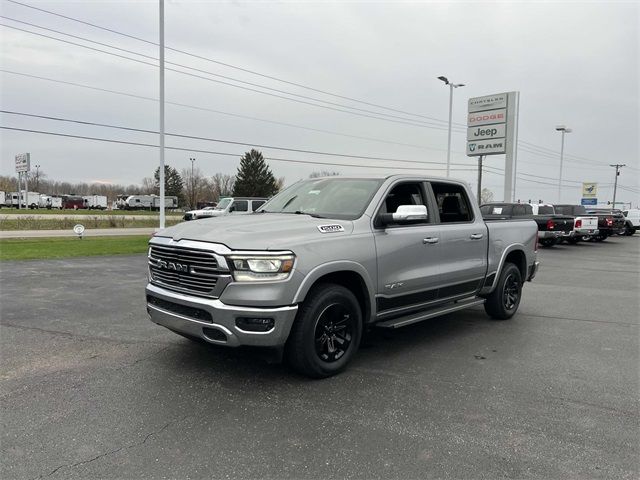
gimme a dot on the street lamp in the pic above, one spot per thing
(193, 185)
(451, 87)
(563, 129)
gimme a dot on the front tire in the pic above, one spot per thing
(504, 301)
(326, 333)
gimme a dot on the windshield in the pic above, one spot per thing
(341, 198)
(223, 203)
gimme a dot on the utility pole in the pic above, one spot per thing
(193, 186)
(37, 178)
(451, 87)
(563, 129)
(480, 158)
(617, 166)
(161, 172)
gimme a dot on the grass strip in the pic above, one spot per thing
(47, 248)
(55, 211)
(30, 223)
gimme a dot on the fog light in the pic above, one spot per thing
(249, 324)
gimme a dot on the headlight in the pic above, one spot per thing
(260, 268)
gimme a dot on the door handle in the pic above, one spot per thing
(476, 236)
(430, 240)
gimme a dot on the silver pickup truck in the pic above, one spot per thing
(328, 258)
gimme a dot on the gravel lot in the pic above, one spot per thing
(91, 388)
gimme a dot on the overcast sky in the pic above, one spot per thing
(574, 63)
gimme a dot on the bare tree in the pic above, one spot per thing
(486, 196)
(148, 186)
(195, 186)
(280, 183)
(222, 185)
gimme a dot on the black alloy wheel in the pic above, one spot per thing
(326, 332)
(511, 292)
(333, 332)
(503, 302)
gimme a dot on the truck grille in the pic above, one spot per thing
(185, 270)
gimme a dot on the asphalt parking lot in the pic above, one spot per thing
(91, 388)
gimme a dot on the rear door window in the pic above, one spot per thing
(453, 203)
(240, 206)
(256, 204)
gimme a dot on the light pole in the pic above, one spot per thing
(193, 185)
(451, 87)
(37, 178)
(617, 166)
(563, 129)
(161, 99)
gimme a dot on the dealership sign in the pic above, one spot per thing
(490, 102)
(482, 132)
(589, 190)
(486, 147)
(589, 201)
(492, 117)
(23, 162)
(492, 129)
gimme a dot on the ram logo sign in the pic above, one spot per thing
(330, 228)
(486, 147)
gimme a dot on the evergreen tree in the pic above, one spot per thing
(173, 183)
(254, 177)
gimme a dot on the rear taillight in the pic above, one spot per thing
(550, 225)
(578, 223)
(609, 222)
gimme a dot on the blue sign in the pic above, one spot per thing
(589, 201)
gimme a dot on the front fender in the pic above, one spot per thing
(333, 267)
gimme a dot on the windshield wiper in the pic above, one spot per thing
(314, 215)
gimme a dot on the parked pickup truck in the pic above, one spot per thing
(610, 222)
(227, 206)
(327, 258)
(551, 227)
(632, 221)
(584, 226)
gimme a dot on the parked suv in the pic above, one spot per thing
(228, 206)
(329, 257)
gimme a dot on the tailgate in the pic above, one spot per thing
(590, 223)
(563, 224)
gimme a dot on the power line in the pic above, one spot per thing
(231, 142)
(374, 115)
(246, 70)
(271, 77)
(195, 107)
(193, 150)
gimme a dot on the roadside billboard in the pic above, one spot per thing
(589, 189)
(23, 162)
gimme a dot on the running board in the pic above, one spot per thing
(420, 316)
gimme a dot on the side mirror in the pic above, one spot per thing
(405, 214)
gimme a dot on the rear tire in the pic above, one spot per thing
(326, 333)
(504, 301)
(629, 230)
(548, 242)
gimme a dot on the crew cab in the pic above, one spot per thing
(551, 227)
(584, 226)
(327, 258)
(610, 222)
(228, 206)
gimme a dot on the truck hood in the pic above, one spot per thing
(262, 231)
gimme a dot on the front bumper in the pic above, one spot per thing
(214, 321)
